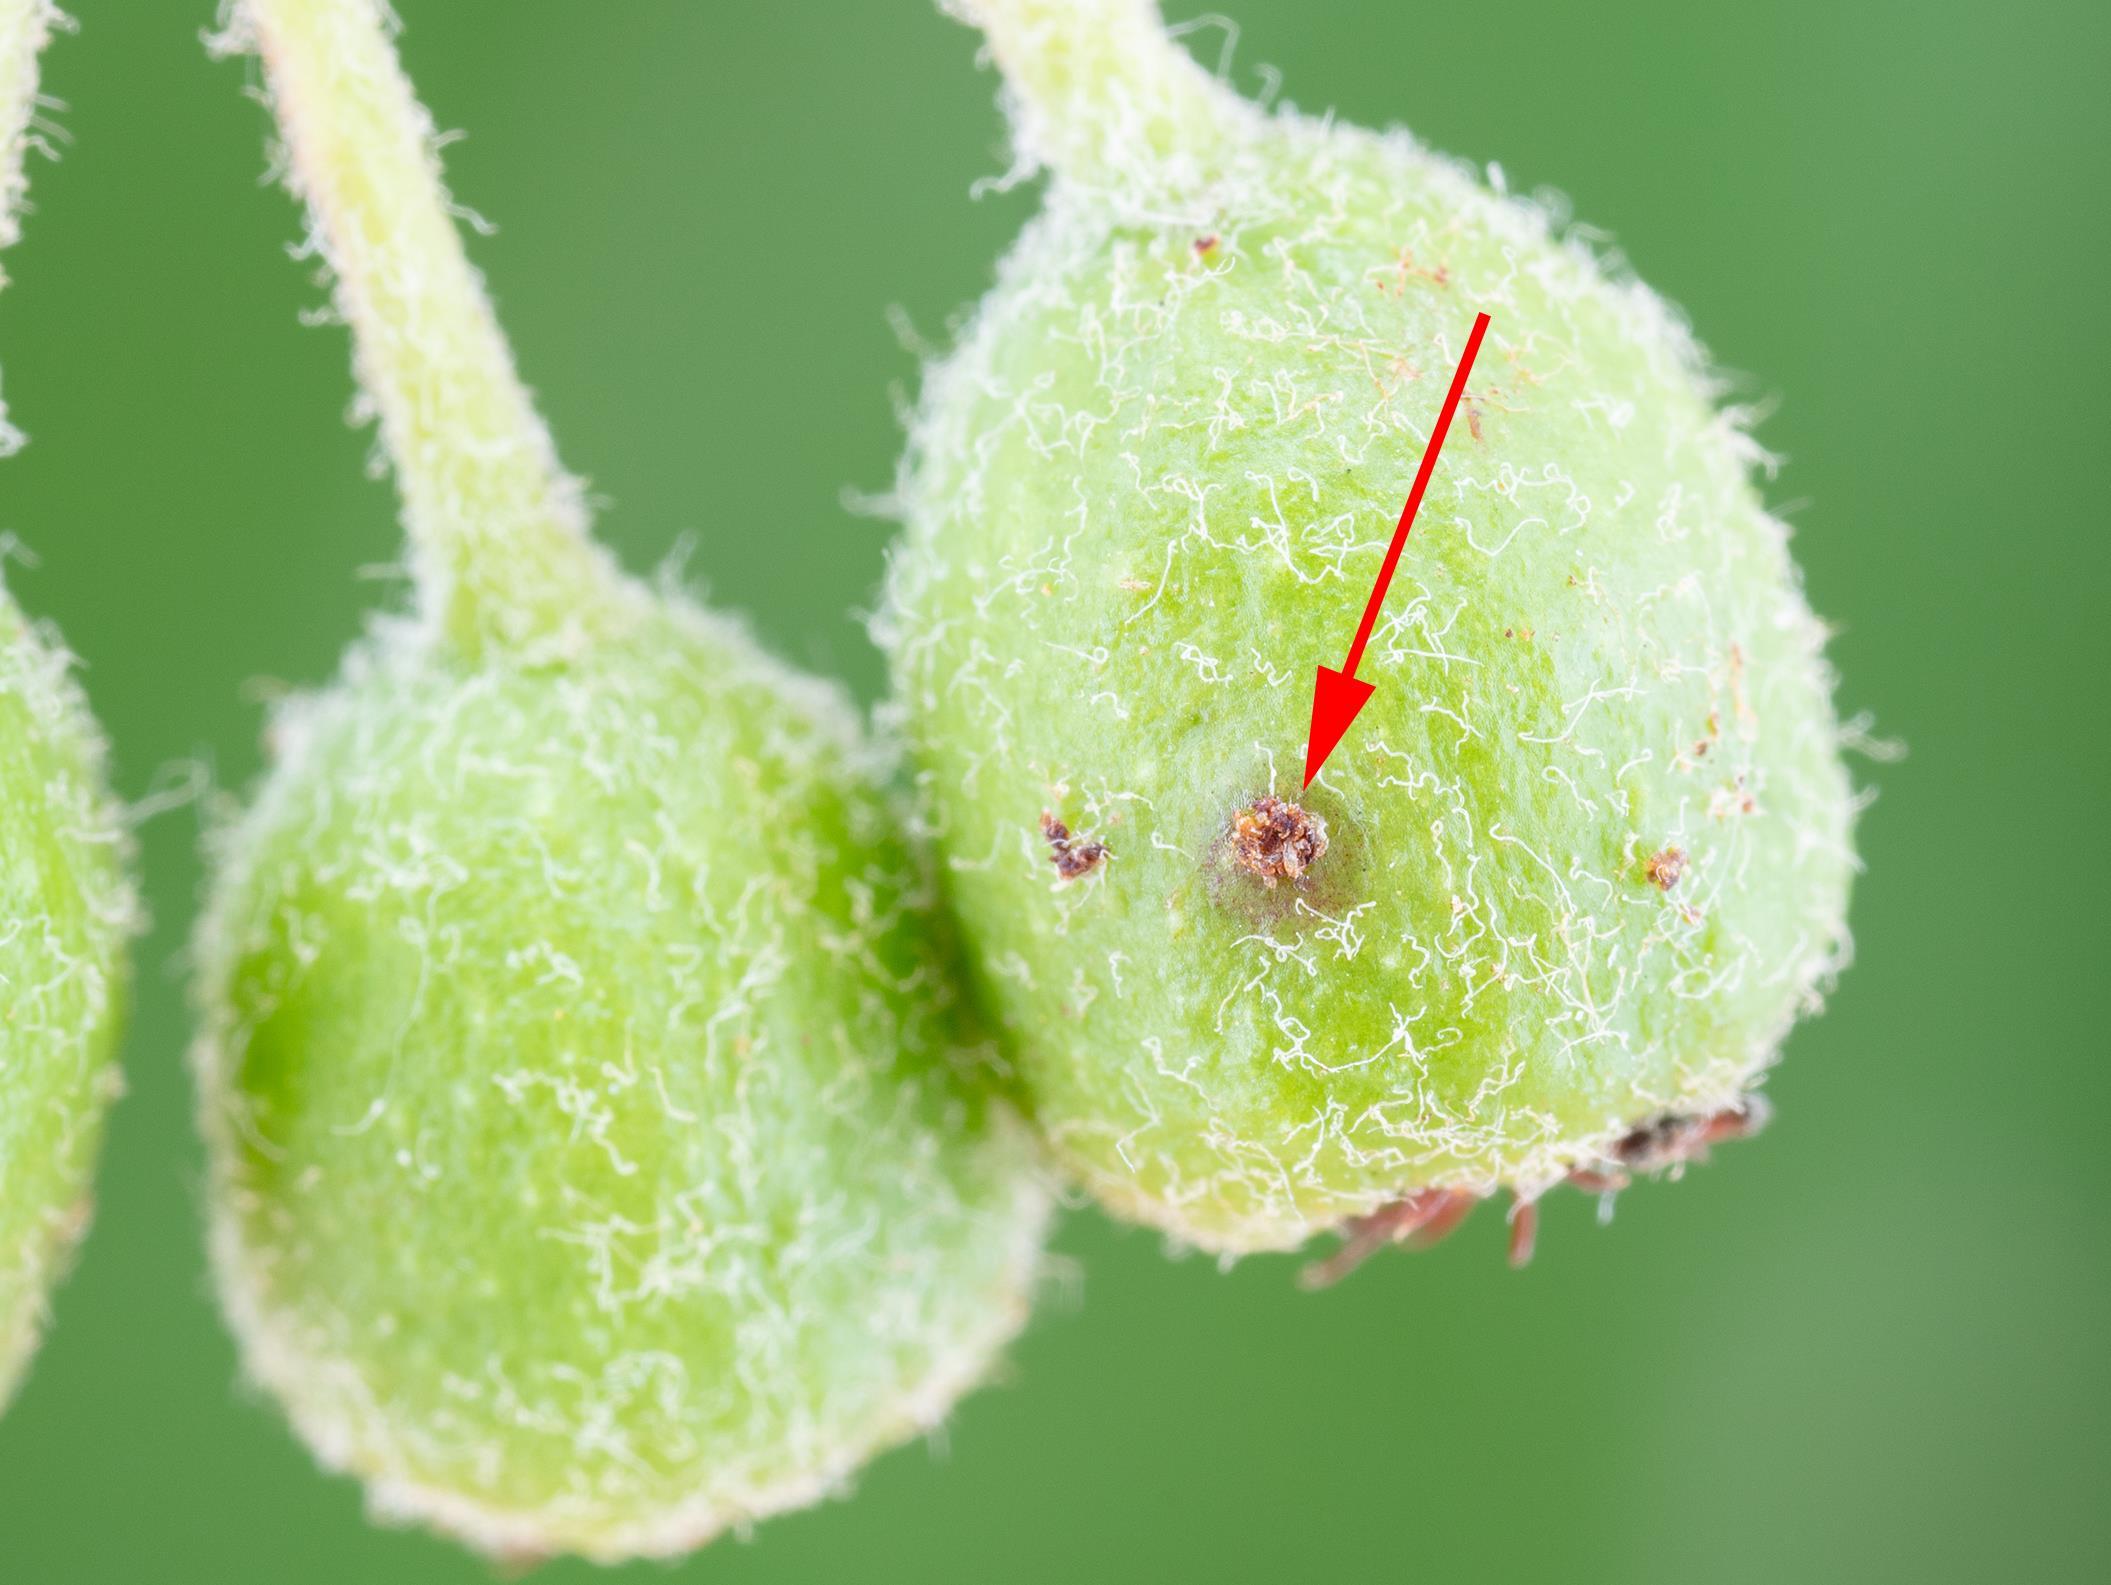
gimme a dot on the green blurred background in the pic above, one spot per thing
(1868, 1347)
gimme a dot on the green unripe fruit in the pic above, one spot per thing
(1557, 898)
(66, 911)
(599, 1153)
(592, 1170)
(66, 902)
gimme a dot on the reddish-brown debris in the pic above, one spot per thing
(1524, 1233)
(1673, 1141)
(1276, 840)
(1426, 1216)
(1072, 858)
(1420, 1220)
(1665, 868)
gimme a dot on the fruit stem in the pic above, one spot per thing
(1099, 91)
(498, 531)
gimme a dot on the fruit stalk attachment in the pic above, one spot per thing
(497, 528)
(1156, 471)
(67, 906)
(599, 1157)
(1098, 91)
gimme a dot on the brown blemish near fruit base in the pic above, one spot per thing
(1663, 1144)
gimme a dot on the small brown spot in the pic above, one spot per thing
(1473, 419)
(1715, 731)
(1665, 868)
(1205, 246)
(1426, 1216)
(1276, 840)
(1735, 799)
(1072, 858)
(1675, 1139)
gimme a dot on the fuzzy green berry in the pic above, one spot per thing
(1552, 905)
(66, 901)
(599, 1153)
(66, 912)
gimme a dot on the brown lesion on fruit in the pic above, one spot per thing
(1274, 839)
(1074, 859)
(1275, 867)
(1664, 867)
(1668, 1143)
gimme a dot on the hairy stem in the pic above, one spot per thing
(497, 529)
(1099, 91)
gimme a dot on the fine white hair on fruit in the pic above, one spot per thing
(67, 907)
(25, 28)
(603, 1155)
(1147, 493)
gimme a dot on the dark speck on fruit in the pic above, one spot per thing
(1276, 840)
(1664, 868)
(1072, 858)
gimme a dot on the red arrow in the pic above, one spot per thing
(1338, 695)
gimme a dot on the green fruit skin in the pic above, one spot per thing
(66, 912)
(1152, 489)
(598, 1158)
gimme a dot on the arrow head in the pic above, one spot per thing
(1336, 698)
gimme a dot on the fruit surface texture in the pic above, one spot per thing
(591, 1168)
(66, 901)
(66, 912)
(601, 1149)
(1583, 858)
